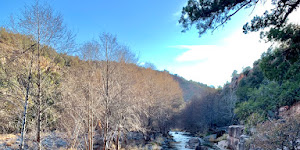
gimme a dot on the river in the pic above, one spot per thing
(181, 139)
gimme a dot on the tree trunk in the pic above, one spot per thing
(106, 98)
(23, 132)
(38, 136)
(92, 120)
(117, 147)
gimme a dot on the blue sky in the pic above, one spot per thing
(151, 30)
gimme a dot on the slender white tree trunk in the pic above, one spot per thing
(23, 130)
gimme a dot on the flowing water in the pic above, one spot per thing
(181, 139)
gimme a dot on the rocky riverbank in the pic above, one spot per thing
(53, 140)
(186, 141)
(174, 140)
(50, 141)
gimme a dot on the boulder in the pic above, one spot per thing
(54, 141)
(135, 138)
(283, 109)
(222, 145)
(233, 142)
(235, 131)
(202, 148)
(193, 143)
(286, 111)
(242, 142)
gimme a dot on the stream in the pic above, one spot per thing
(181, 139)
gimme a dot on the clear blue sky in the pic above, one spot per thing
(150, 29)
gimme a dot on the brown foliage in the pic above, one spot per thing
(280, 134)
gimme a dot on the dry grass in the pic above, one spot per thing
(8, 136)
(9, 140)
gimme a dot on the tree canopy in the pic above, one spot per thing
(209, 15)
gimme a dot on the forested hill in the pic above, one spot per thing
(265, 98)
(191, 88)
(78, 93)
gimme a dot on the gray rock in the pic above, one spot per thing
(235, 131)
(135, 136)
(61, 143)
(236, 139)
(222, 144)
(53, 141)
(48, 142)
(233, 142)
(202, 148)
(193, 143)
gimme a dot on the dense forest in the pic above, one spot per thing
(96, 95)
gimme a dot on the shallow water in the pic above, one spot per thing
(181, 139)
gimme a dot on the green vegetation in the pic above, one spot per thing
(209, 15)
(103, 93)
(15, 64)
(274, 81)
(254, 96)
(257, 93)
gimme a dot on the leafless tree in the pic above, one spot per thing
(45, 28)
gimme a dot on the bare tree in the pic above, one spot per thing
(89, 53)
(113, 60)
(80, 103)
(108, 51)
(45, 28)
(29, 78)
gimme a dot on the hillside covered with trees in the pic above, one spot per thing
(99, 93)
(191, 89)
(265, 97)
(77, 93)
(97, 96)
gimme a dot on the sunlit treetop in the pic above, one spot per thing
(211, 14)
